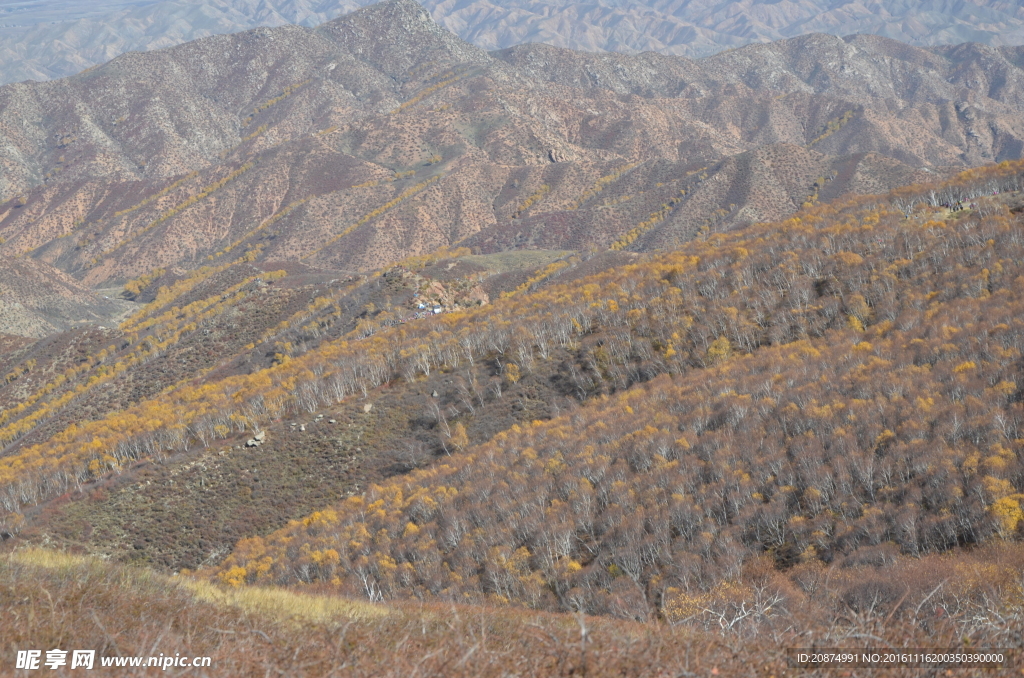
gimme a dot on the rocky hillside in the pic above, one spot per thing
(698, 28)
(37, 300)
(51, 38)
(365, 310)
(334, 147)
(54, 39)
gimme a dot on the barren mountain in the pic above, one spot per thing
(701, 27)
(381, 135)
(52, 38)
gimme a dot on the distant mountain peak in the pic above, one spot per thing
(693, 28)
(398, 35)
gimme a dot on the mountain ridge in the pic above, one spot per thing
(289, 141)
(694, 28)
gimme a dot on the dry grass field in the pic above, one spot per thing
(57, 600)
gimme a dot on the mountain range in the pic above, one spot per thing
(50, 39)
(333, 146)
(359, 347)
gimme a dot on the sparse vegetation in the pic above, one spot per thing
(156, 196)
(136, 286)
(650, 308)
(270, 221)
(655, 218)
(832, 126)
(203, 193)
(404, 195)
(602, 183)
(531, 200)
(247, 631)
(447, 79)
(598, 472)
(543, 274)
(259, 108)
(627, 410)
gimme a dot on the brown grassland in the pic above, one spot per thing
(56, 600)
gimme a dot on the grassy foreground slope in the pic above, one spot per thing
(55, 600)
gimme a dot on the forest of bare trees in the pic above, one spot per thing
(841, 385)
(832, 274)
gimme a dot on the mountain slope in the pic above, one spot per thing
(697, 28)
(65, 44)
(595, 334)
(379, 136)
(842, 383)
(878, 337)
(37, 300)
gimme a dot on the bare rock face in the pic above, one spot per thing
(380, 135)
